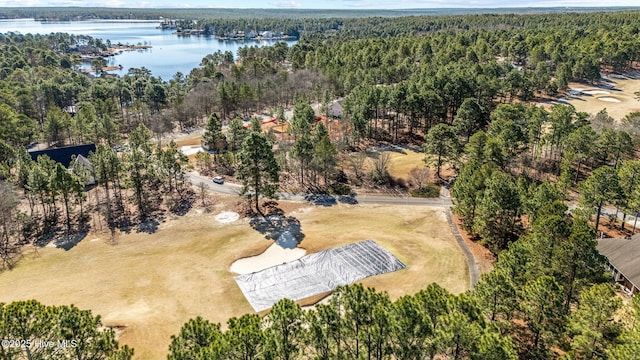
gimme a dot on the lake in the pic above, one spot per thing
(169, 53)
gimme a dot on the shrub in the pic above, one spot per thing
(340, 189)
(427, 191)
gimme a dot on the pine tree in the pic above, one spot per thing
(212, 137)
(258, 168)
(497, 213)
(593, 325)
(441, 145)
(324, 151)
(285, 332)
(302, 150)
(139, 169)
(601, 187)
(236, 134)
(197, 338)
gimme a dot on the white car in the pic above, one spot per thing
(218, 180)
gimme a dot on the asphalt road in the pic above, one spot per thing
(234, 189)
(226, 188)
(608, 211)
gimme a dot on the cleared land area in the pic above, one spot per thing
(618, 102)
(401, 162)
(150, 285)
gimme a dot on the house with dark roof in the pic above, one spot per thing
(624, 260)
(64, 154)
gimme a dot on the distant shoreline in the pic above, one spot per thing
(75, 13)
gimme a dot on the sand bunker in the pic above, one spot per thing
(609, 99)
(190, 150)
(274, 255)
(596, 92)
(226, 217)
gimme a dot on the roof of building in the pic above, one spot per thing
(84, 161)
(63, 155)
(624, 255)
(336, 109)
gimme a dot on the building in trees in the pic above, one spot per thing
(64, 155)
(624, 261)
(336, 110)
(71, 157)
(82, 163)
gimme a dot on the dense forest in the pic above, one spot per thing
(86, 13)
(461, 87)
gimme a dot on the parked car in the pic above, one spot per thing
(218, 180)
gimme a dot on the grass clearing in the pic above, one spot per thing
(401, 163)
(152, 284)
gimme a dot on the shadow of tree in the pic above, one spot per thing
(67, 242)
(347, 199)
(321, 199)
(181, 207)
(148, 226)
(284, 230)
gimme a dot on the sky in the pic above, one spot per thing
(319, 4)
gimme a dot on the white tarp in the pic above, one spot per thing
(316, 273)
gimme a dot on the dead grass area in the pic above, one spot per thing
(400, 163)
(484, 258)
(617, 102)
(403, 163)
(149, 285)
(419, 237)
(182, 139)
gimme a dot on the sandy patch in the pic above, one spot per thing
(324, 301)
(274, 255)
(191, 150)
(226, 217)
(303, 210)
(597, 92)
(609, 99)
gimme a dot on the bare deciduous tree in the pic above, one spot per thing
(202, 190)
(419, 176)
(381, 167)
(356, 162)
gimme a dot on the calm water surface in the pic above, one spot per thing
(169, 53)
